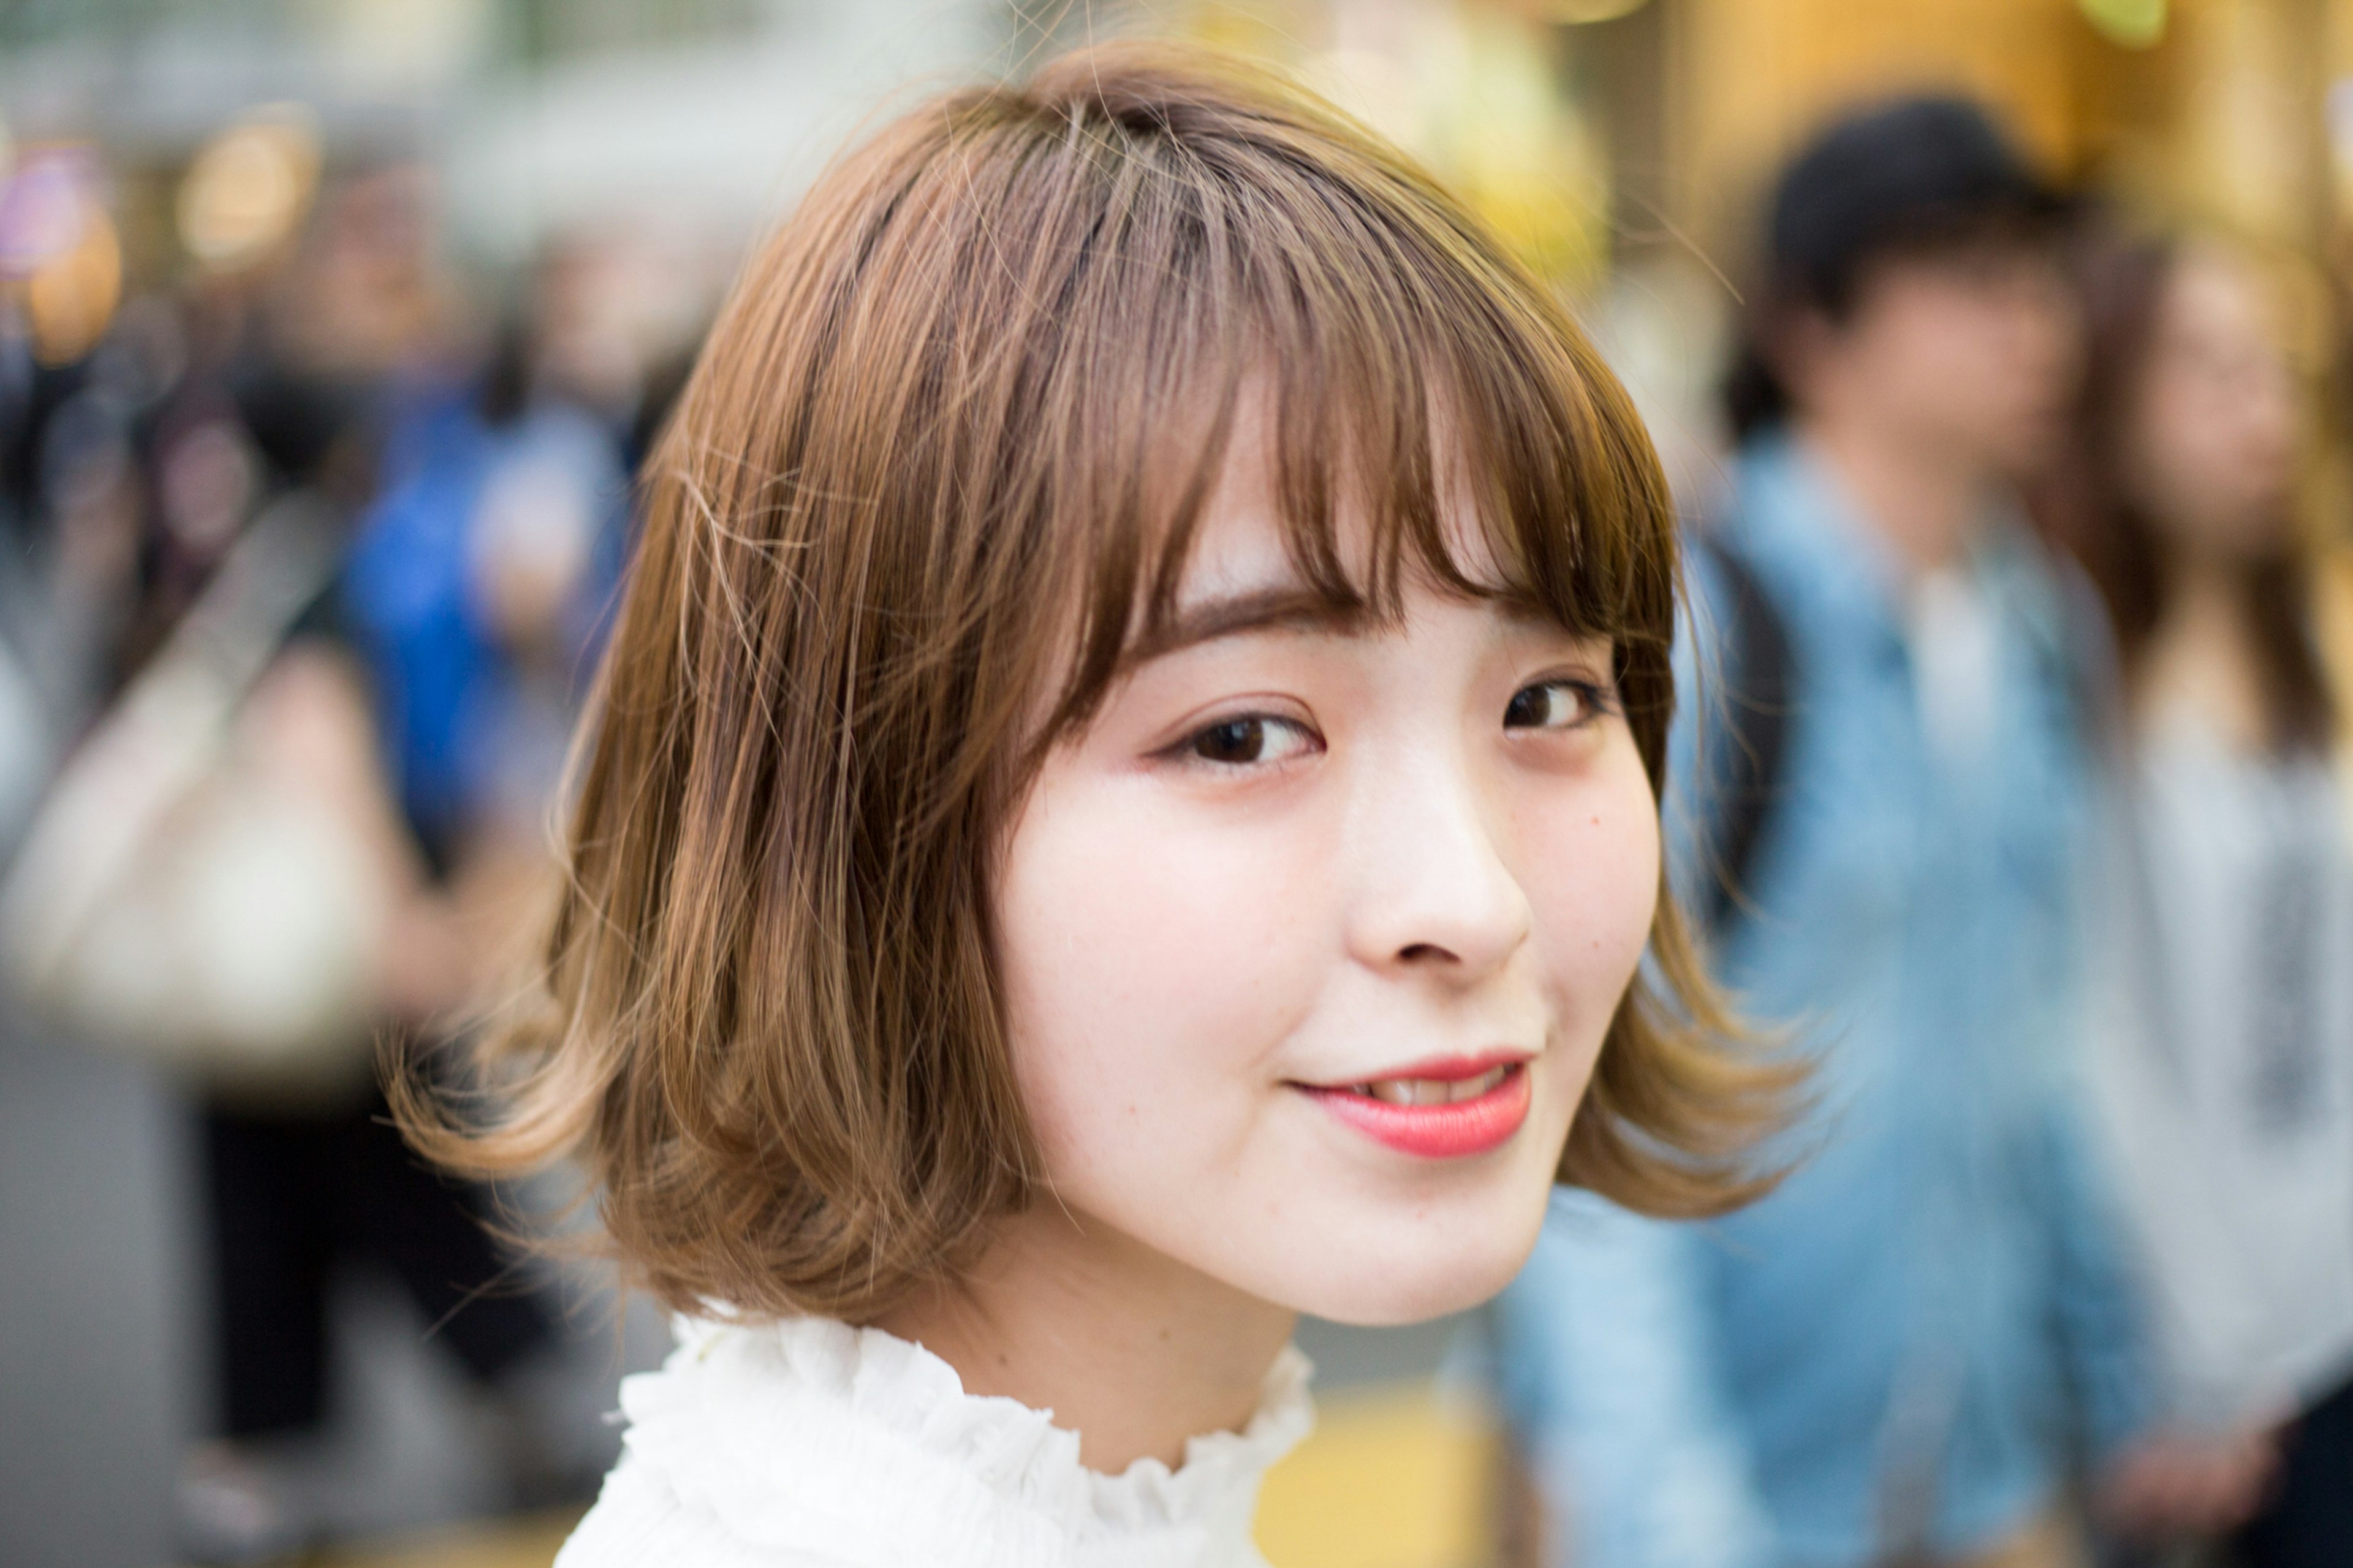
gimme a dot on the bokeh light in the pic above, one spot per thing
(246, 190)
(58, 243)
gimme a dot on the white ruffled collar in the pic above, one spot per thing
(812, 1435)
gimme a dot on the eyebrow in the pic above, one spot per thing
(1274, 609)
(1288, 609)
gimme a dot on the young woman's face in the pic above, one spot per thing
(1309, 941)
(2212, 448)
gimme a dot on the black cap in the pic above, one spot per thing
(1899, 171)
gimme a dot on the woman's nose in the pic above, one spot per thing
(1431, 883)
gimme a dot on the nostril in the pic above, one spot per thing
(1422, 952)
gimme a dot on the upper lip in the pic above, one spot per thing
(1437, 1069)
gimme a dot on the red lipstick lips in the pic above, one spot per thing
(1444, 1130)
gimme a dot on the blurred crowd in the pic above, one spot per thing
(2010, 794)
(307, 555)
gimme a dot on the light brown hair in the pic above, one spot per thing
(935, 473)
(2086, 501)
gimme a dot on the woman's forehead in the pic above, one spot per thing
(1243, 547)
(1245, 542)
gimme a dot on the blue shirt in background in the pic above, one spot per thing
(465, 737)
(1908, 1345)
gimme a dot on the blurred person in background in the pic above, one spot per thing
(74, 516)
(2224, 1029)
(354, 335)
(482, 577)
(221, 882)
(1902, 1356)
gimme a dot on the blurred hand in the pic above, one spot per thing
(2180, 1483)
(425, 964)
(453, 953)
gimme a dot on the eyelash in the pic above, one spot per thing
(1596, 699)
(1190, 748)
(1241, 729)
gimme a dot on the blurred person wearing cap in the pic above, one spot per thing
(1928, 1340)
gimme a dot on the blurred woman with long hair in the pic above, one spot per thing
(2224, 1050)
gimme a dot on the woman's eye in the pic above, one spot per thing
(1250, 738)
(1553, 705)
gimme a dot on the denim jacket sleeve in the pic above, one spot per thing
(2102, 1322)
(2100, 1306)
(1610, 1377)
(2106, 1325)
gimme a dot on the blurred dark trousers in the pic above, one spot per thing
(2309, 1523)
(293, 1197)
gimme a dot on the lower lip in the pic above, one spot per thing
(1435, 1131)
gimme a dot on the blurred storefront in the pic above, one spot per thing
(1591, 130)
(2211, 109)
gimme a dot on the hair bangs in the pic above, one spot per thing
(1430, 408)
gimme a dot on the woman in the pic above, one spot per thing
(1122, 808)
(2225, 1027)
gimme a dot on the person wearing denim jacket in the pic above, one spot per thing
(1901, 1348)
(1905, 1354)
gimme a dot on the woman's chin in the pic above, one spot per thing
(1395, 1302)
(1412, 1275)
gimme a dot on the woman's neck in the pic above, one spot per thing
(2199, 661)
(1130, 1349)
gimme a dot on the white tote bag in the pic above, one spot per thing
(177, 899)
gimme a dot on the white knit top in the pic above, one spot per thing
(809, 1444)
(2223, 1058)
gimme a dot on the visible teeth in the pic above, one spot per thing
(1434, 1091)
(1472, 1088)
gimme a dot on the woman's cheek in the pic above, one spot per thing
(1593, 885)
(1145, 953)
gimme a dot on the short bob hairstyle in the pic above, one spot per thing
(931, 484)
